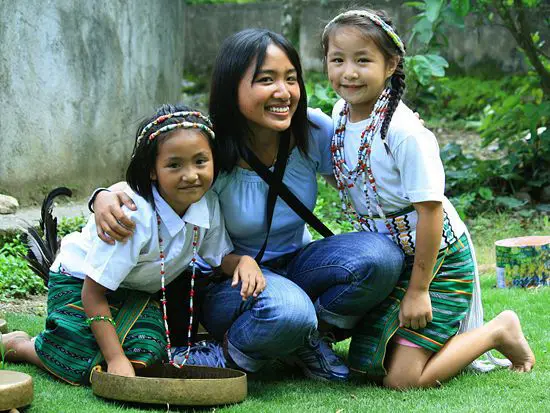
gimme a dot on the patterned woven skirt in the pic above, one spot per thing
(68, 348)
(450, 293)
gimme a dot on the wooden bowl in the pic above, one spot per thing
(16, 390)
(3, 326)
(161, 384)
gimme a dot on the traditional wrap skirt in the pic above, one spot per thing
(450, 293)
(68, 348)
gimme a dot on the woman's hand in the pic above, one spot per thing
(419, 118)
(416, 309)
(111, 222)
(121, 366)
(251, 277)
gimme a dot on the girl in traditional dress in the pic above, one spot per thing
(391, 180)
(99, 298)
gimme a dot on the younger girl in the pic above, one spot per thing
(99, 298)
(391, 180)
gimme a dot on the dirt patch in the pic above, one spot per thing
(34, 304)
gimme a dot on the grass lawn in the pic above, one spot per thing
(280, 389)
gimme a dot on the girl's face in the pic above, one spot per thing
(269, 99)
(184, 168)
(357, 70)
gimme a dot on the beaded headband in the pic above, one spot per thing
(182, 125)
(376, 20)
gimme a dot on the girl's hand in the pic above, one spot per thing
(121, 366)
(111, 222)
(416, 309)
(251, 277)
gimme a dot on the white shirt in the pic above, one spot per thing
(135, 264)
(413, 172)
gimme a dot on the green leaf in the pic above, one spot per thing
(460, 7)
(416, 4)
(438, 64)
(509, 202)
(486, 193)
(423, 31)
(433, 9)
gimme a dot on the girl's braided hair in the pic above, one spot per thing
(386, 45)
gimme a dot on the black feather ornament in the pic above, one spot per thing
(42, 249)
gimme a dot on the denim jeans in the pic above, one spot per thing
(344, 275)
(347, 275)
(259, 329)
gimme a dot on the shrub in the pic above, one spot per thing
(16, 279)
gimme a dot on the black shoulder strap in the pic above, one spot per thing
(278, 188)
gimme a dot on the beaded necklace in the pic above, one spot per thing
(191, 294)
(347, 178)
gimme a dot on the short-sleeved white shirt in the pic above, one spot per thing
(135, 264)
(413, 172)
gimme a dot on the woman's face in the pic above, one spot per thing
(269, 99)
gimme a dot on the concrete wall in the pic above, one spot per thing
(206, 26)
(75, 79)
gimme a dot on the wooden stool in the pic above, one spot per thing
(523, 262)
(3, 326)
(16, 390)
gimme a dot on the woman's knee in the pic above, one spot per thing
(289, 308)
(377, 253)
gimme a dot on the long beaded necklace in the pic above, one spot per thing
(347, 178)
(191, 294)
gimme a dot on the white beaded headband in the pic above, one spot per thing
(376, 20)
(183, 125)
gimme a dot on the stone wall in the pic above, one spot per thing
(76, 77)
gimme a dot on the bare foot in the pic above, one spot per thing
(12, 342)
(512, 343)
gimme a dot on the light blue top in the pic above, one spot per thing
(243, 197)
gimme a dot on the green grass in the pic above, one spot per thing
(281, 389)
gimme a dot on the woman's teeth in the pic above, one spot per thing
(278, 109)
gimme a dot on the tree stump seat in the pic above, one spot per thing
(16, 390)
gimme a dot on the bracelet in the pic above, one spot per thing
(90, 320)
(93, 197)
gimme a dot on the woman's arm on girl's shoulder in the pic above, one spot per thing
(95, 304)
(112, 223)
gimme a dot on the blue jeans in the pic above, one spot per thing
(345, 275)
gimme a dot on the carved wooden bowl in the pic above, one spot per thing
(161, 384)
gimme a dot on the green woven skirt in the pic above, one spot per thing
(450, 293)
(67, 346)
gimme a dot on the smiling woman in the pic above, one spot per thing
(268, 97)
